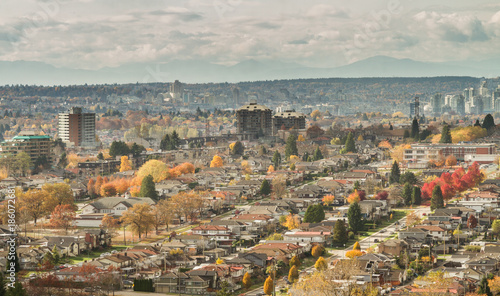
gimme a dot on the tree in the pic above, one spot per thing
(484, 288)
(292, 221)
(320, 264)
(328, 200)
(270, 169)
(317, 154)
(415, 131)
(451, 160)
(17, 290)
(279, 186)
(496, 227)
(237, 148)
(314, 132)
(22, 162)
(125, 164)
(471, 222)
(32, 203)
(100, 156)
(139, 218)
(353, 254)
(445, 135)
(268, 286)
(339, 233)
(315, 114)
(437, 201)
(354, 217)
(300, 138)
(477, 123)
(219, 261)
(294, 261)
(118, 148)
(109, 223)
(63, 217)
(247, 280)
(382, 195)
(350, 146)
(356, 246)
(276, 160)
(406, 193)
(148, 188)
(265, 187)
(216, 162)
(406, 134)
(395, 173)
(291, 146)
(57, 194)
(314, 214)
(63, 162)
(408, 177)
(488, 122)
(108, 189)
(317, 251)
(416, 196)
(293, 274)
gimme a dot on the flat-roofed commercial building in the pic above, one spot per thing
(34, 146)
(461, 151)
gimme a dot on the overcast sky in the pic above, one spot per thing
(93, 34)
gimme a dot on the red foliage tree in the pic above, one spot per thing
(382, 195)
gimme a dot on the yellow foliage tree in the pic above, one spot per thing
(397, 152)
(315, 114)
(328, 200)
(216, 162)
(353, 197)
(300, 138)
(125, 164)
(317, 251)
(451, 160)
(219, 261)
(247, 280)
(270, 169)
(320, 264)
(360, 138)
(385, 144)
(353, 254)
(268, 286)
(292, 221)
(157, 169)
(356, 246)
(293, 274)
(245, 166)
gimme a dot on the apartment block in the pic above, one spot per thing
(77, 129)
(462, 151)
(34, 146)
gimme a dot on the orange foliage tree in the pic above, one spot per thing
(328, 200)
(216, 162)
(63, 217)
(125, 164)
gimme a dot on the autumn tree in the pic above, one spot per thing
(270, 169)
(91, 188)
(317, 251)
(168, 209)
(471, 222)
(63, 217)
(356, 196)
(353, 254)
(314, 132)
(268, 286)
(437, 201)
(247, 280)
(320, 264)
(125, 164)
(279, 186)
(495, 227)
(356, 246)
(139, 218)
(315, 114)
(292, 221)
(328, 200)
(110, 224)
(451, 160)
(412, 218)
(216, 162)
(32, 202)
(340, 233)
(294, 261)
(108, 189)
(382, 195)
(148, 188)
(293, 274)
(57, 194)
(355, 218)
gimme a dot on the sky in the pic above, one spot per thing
(94, 34)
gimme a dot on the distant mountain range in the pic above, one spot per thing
(192, 71)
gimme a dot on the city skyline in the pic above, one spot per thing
(92, 35)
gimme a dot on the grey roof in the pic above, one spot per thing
(110, 202)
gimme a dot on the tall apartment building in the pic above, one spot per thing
(462, 151)
(254, 119)
(77, 129)
(34, 146)
(289, 120)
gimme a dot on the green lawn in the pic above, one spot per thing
(92, 255)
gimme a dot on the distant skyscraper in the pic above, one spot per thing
(415, 108)
(460, 105)
(236, 95)
(436, 103)
(77, 128)
(477, 102)
(177, 87)
(483, 89)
